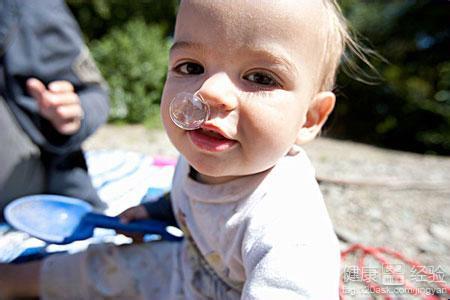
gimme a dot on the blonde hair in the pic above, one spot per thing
(341, 46)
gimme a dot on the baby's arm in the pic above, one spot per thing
(137, 212)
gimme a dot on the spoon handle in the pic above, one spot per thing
(167, 232)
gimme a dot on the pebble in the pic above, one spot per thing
(347, 236)
(440, 232)
(374, 213)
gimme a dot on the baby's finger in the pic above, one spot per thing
(134, 213)
(126, 216)
(61, 86)
(137, 237)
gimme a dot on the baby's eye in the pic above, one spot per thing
(189, 68)
(262, 79)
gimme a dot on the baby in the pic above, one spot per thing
(244, 192)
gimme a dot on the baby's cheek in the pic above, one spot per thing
(267, 148)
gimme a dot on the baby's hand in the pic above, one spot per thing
(132, 214)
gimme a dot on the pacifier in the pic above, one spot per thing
(188, 111)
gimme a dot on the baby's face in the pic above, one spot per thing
(257, 65)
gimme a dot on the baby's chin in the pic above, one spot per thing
(211, 169)
(221, 173)
(212, 172)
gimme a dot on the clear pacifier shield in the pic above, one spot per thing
(188, 111)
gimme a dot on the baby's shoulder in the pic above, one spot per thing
(290, 200)
(291, 184)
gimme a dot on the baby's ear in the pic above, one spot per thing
(318, 112)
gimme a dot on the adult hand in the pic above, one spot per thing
(132, 214)
(59, 104)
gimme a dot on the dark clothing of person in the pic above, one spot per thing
(41, 39)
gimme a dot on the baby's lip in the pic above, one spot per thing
(216, 129)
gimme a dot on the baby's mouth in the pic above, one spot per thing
(212, 134)
(210, 140)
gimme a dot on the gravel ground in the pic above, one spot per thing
(375, 196)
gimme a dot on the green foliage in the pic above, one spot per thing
(133, 60)
(410, 108)
(98, 17)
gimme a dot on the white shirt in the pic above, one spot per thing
(268, 235)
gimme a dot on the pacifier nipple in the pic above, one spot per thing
(188, 111)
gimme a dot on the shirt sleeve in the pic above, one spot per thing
(285, 261)
(289, 249)
(290, 272)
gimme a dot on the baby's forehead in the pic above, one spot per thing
(297, 26)
(282, 14)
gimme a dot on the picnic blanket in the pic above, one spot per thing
(122, 179)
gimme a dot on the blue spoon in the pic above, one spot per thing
(62, 220)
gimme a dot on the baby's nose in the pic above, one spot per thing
(219, 92)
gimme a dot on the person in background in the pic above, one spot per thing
(52, 97)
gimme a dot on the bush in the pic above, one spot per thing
(133, 61)
(410, 110)
(98, 17)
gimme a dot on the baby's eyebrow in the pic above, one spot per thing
(276, 56)
(186, 45)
